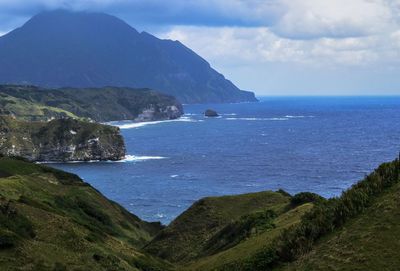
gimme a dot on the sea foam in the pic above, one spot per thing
(134, 158)
(259, 119)
(133, 125)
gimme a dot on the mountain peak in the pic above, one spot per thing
(62, 19)
(64, 48)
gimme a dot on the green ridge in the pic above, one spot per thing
(52, 220)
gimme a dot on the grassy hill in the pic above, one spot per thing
(52, 220)
(275, 231)
(98, 104)
(371, 241)
(218, 228)
(357, 231)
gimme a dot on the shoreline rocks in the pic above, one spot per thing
(62, 140)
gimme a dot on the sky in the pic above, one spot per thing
(271, 47)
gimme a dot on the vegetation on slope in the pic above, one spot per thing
(357, 231)
(368, 242)
(52, 220)
(326, 218)
(60, 140)
(217, 223)
(101, 105)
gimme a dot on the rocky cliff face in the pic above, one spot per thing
(60, 140)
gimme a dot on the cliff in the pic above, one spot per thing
(60, 140)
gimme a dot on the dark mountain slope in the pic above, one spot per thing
(69, 49)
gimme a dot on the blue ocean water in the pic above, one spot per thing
(318, 144)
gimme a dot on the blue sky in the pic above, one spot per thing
(272, 47)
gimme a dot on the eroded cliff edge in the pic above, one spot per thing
(64, 124)
(60, 140)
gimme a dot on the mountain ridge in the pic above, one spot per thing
(61, 48)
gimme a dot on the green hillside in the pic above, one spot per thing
(275, 231)
(98, 104)
(371, 241)
(357, 231)
(218, 231)
(52, 220)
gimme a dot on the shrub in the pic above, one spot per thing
(305, 197)
(15, 222)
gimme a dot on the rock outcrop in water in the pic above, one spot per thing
(60, 140)
(211, 113)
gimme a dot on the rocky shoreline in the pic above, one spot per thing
(60, 140)
(63, 125)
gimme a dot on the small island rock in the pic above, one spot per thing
(211, 113)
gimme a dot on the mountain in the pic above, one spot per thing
(78, 49)
(97, 104)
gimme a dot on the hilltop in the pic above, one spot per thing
(79, 49)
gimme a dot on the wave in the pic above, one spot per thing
(191, 114)
(134, 125)
(298, 117)
(134, 158)
(160, 215)
(259, 119)
(128, 158)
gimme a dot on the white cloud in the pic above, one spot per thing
(236, 46)
(295, 19)
(335, 18)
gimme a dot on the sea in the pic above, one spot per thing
(318, 144)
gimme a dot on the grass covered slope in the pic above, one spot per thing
(371, 241)
(250, 246)
(52, 220)
(357, 231)
(98, 104)
(215, 223)
(345, 233)
(60, 140)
